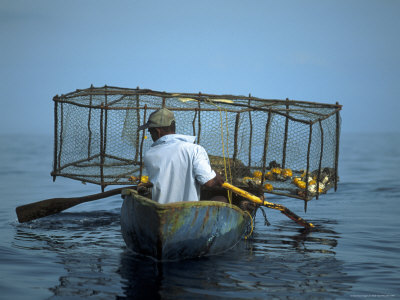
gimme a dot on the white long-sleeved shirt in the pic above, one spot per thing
(177, 167)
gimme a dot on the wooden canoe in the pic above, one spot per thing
(180, 230)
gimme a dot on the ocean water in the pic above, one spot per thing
(80, 253)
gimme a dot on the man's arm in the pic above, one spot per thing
(217, 181)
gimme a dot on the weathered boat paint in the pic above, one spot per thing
(180, 230)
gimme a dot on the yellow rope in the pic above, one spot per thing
(228, 178)
(251, 224)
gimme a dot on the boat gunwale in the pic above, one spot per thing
(182, 204)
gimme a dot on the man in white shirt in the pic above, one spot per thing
(175, 165)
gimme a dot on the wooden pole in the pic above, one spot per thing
(137, 132)
(337, 146)
(320, 156)
(89, 120)
(141, 144)
(235, 137)
(308, 165)
(102, 148)
(55, 137)
(61, 135)
(266, 138)
(194, 121)
(199, 124)
(286, 134)
(251, 132)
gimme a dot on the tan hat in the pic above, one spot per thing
(159, 118)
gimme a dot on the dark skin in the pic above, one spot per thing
(158, 132)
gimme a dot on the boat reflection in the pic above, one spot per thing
(278, 261)
(89, 258)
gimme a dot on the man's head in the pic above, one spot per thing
(161, 122)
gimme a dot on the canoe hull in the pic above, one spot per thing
(180, 230)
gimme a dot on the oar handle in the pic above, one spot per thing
(243, 193)
(252, 197)
(259, 201)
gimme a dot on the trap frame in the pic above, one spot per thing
(284, 147)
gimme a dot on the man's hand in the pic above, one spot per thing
(143, 188)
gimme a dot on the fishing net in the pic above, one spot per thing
(284, 147)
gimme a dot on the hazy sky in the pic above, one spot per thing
(325, 51)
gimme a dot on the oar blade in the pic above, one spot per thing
(297, 219)
(32, 211)
(40, 209)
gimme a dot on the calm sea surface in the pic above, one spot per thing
(80, 253)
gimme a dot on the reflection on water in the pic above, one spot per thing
(286, 235)
(278, 261)
(86, 245)
(280, 265)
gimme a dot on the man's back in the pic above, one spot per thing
(177, 167)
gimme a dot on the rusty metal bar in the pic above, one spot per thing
(266, 138)
(286, 135)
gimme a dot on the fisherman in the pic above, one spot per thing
(175, 165)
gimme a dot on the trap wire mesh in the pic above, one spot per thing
(283, 147)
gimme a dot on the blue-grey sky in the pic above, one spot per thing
(345, 51)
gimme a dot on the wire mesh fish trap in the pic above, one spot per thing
(283, 147)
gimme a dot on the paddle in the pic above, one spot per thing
(52, 206)
(259, 201)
